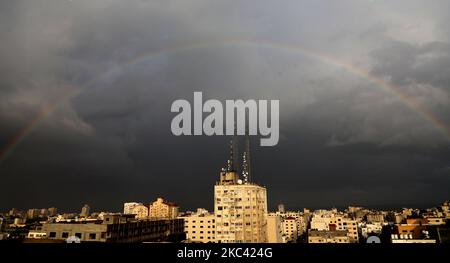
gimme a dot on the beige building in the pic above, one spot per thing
(332, 221)
(240, 209)
(324, 236)
(200, 227)
(162, 209)
(141, 211)
(347, 224)
(274, 229)
(293, 225)
(289, 227)
(128, 207)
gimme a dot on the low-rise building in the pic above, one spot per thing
(200, 227)
(117, 228)
(322, 237)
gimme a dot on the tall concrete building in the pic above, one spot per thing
(240, 206)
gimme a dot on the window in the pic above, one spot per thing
(52, 234)
(78, 235)
(103, 235)
(65, 235)
(92, 236)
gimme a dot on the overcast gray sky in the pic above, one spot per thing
(344, 139)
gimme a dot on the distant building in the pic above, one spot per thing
(18, 221)
(281, 208)
(162, 209)
(33, 213)
(274, 229)
(200, 227)
(2, 224)
(300, 220)
(13, 212)
(324, 236)
(369, 229)
(375, 218)
(141, 211)
(128, 207)
(116, 228)
(52, 211)
(289, 227)
(326, 221)
(85, 211)
(435, 221)
(415, 228)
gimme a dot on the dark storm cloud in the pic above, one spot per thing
(406, 63)
(343, 138)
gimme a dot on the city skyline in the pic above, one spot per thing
(86, 89)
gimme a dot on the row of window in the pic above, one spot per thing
(201, 221)
(201, 232)
(187, 226)
(233, 215)
(201, 237)
(91, 236)
(236, 207)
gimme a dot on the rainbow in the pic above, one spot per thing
(412, 103)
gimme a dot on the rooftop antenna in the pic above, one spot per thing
(246, 162)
